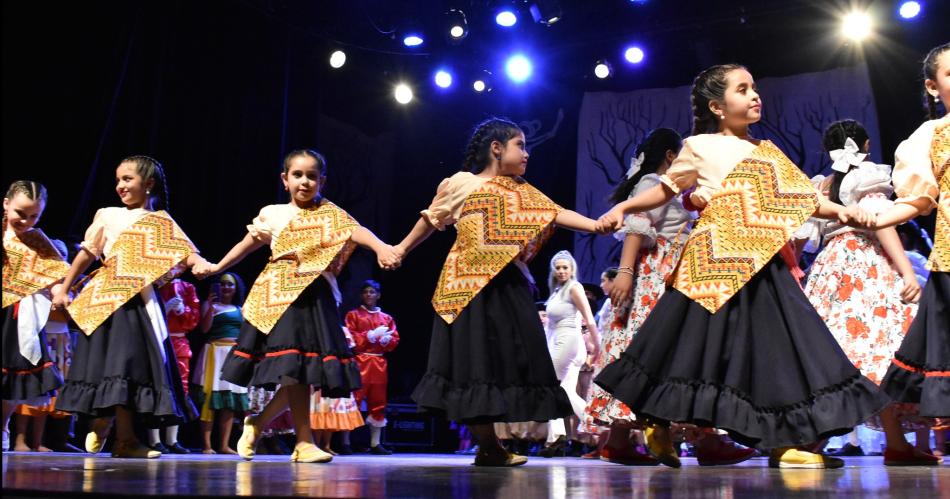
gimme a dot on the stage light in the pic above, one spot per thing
(413, 40)
(457, 25)
(483, 83)
(634, 55)
(403, 93)
(506, 18)
(602, 69)
(546, 12)
(909, 10)
(337, 59)
(518, 68)
(443, 78)
(856, 25)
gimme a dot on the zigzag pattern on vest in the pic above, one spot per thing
(150, 251)
(940, 157)
(502, 220)
(30, 263)
(761, 203)
(316, 240)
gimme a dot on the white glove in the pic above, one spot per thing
(385, 339)
(175, 305)
(375, 334)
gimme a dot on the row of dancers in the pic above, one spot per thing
(728, 340)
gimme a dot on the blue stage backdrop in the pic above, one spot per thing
(796, 110)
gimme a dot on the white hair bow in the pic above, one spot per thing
(635, 165)
(845, 158)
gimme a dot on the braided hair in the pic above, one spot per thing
(834, 138)
(653, 148)
(709, 85)
(33, 190)
(149, 168)
(930, 73)
(478, 151)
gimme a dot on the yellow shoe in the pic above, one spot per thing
(133, 449)
(308, 453)
(94, 442)
(248, 443)
(661, 446)
(790, 457)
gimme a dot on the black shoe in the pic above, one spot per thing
(345, 450)
(176, 448)
(379, 450)
(160, 447)
(848, 450)
(555, 448)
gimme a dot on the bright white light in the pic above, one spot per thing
(602, 70)
(506, 18)
(909, 10)
(518, 68)
(457, 31)
(337, 59)
(403, 93)
(856, 25)
(634, 55)
(479, 86)
(412, 41)
(443, 78)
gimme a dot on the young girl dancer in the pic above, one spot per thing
(124, 363)
(734, 344)
(488, 357)
(292, 334)
(862, 284)
(31, 265)
(920, 371)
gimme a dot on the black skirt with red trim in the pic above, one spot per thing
(23, 380)
(122, 364)
(492, 363)
(920, 372)
(306, 345)
(764, 367)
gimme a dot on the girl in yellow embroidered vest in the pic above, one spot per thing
(292, 334)
(124, 363)
(734, 344)
(920, 371)
(30, 266)
(488, 359)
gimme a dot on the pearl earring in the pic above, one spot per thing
(147, 192)
(722, 116)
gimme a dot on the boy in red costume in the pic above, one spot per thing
(375, 334)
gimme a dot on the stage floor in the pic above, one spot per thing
(446, 476)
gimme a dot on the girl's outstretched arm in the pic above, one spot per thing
(386, 256)
(240, 250)
(420, 232)
(653, 197)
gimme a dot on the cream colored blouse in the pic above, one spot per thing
(705, 160)
(106, 227)
(446, 207)
(913, 169)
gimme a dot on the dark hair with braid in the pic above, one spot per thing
(930, 73)
(653, 148)
(709, 85)
(33, 190)
(310, 153)
(478, 152)
(835, 136)
(149, 168)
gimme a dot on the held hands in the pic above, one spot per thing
(61, 298)
(205, 269)
(856, 217)
(610, 221)
(389, 258)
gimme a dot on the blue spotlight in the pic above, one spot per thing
(519, 68)
(413, 40)
(443, 78)
(909, 10)
(634, 55)
(506, 18)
